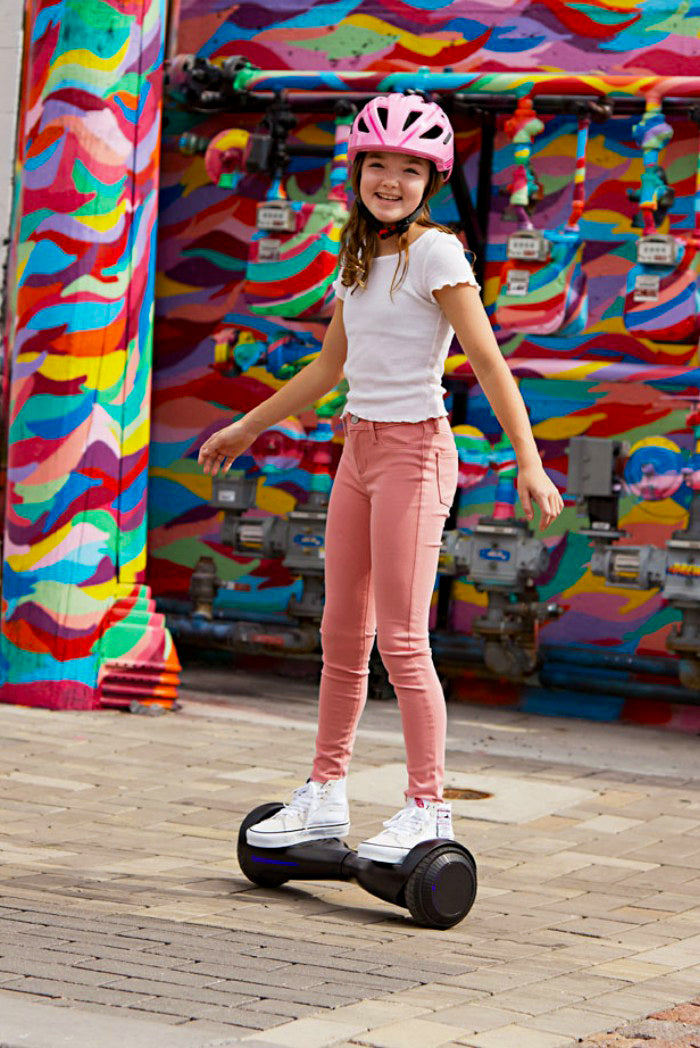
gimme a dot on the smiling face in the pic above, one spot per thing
(392, 184)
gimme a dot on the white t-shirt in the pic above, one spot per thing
(397, 347)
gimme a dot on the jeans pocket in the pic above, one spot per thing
(446, 471)
(401, 434)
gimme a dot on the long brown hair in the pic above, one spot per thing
(359, 244)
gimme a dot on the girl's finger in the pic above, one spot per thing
(526, 503)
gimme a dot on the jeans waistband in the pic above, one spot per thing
(354, 422)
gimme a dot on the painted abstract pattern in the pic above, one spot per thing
(626, 36)
(79, 341)
(601, 381)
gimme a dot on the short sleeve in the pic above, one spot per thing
(447, 265)
(340, 291)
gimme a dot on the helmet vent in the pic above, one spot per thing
(432, 132)
(383, 114)
(410, 119)
(362, 126)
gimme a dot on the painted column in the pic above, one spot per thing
(78, 628)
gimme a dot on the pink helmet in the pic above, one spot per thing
(404, 124)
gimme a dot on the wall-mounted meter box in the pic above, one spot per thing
(646, 287)
(528, 245)
(276, 216)
(518, 282)
(269, 249)
(657, 249)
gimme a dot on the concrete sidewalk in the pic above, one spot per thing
(124, 918)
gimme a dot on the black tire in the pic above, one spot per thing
(441, 890)
(249, 869)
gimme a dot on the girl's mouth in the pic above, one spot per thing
(388, 199)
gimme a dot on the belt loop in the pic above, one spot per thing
(436, 425)
(374, 432)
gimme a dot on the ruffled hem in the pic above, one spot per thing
(454, 281)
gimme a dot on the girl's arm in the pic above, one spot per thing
(463, 308)
(317, 378)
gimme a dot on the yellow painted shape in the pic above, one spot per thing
(28, 561)
(129, 571)
(101, 372)
(138, 438)
(468, 594)
(421, 45)
(264, 376)
(655, 442)
(664, 511)
(565, 426)
(590, 583)
(619, 5)
(101, 592)
(458, 360)
(194, 176)
(71, 67)
(314, 135)
(103, 223)
(166, 286)
(581, 372)
(273, 500)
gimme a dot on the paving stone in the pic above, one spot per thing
(197, 952)
(184, 993)
(293, 977)
(60, 973)
(571, 1021)
(409, 1033)
(290, 1008)
(581, 917)
(37, 987)
(481, 1015)
(515, 1036)
(217, 1013)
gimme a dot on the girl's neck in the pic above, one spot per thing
(390, 246)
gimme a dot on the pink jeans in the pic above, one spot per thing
(392, 492)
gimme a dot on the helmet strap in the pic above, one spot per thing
(381, 228)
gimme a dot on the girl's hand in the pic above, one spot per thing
(533, 483)
(222, 447)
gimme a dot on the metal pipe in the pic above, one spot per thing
(246, 636)
(615, 673)
(571, 654)
(610, 683)
(474, 85)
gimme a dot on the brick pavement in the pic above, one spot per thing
(120, 897)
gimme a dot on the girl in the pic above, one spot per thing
(405, 286)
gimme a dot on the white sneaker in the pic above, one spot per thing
(419, 821)
(316, 810)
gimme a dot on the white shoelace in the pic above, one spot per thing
(408, 820)
(301, 798)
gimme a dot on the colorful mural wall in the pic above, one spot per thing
(600, 381)
(79, 625)
(76, 615)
